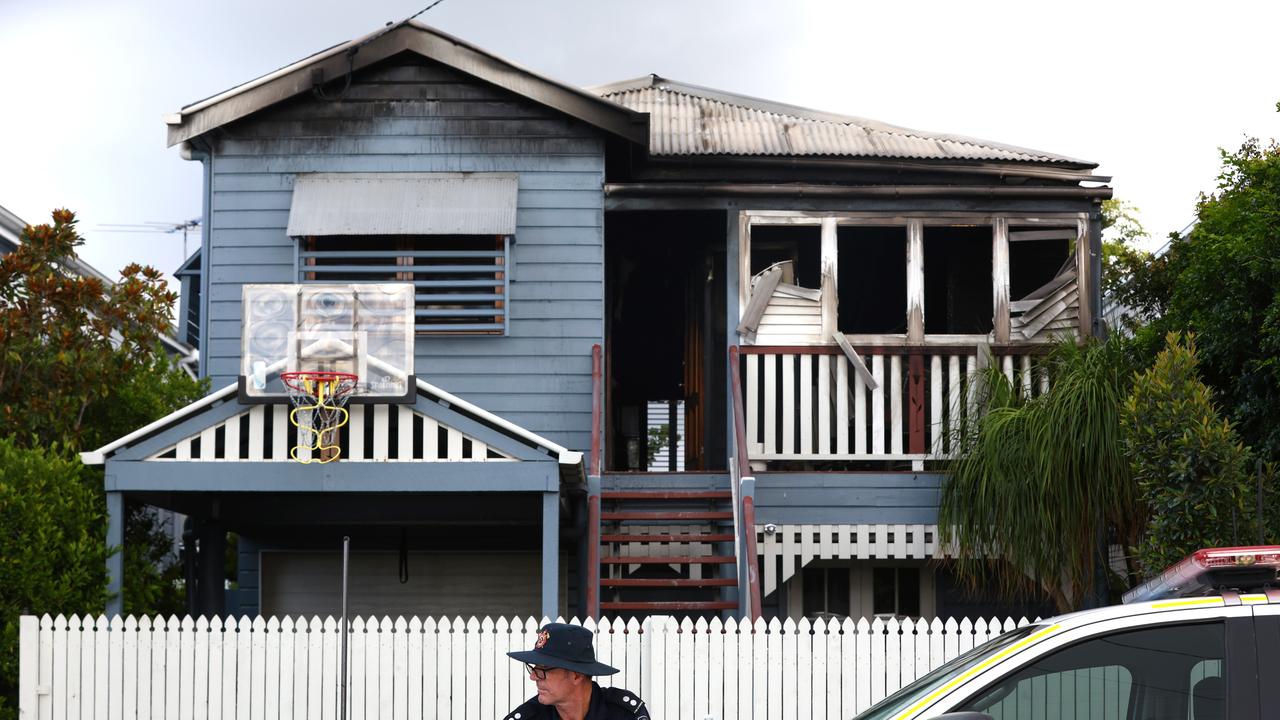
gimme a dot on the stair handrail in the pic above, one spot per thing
(744, 488)
(593, 488)
(597, 374)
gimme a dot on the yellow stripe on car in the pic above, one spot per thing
(1186, 603)
(979, 668)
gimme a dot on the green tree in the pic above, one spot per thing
(659, 437)
(1190, 466)
(1039, 482)
(1222, 282)
(1124, 264)
(80, 365)
(52, 554)
(67, 341)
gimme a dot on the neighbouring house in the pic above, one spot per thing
(10, 231)
(11, 228)
(673, 349)
(179, 347)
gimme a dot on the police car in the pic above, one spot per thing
(1199, 642)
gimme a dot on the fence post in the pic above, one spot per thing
(28, 665)
(654, 656)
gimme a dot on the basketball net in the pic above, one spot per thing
(319, 410)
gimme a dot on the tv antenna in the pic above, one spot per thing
(153, 226)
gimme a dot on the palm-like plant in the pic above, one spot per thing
(1040, 482)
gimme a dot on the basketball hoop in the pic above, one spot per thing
(319, 399)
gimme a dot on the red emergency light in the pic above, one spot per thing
(1246, 569)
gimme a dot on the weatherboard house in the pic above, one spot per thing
(639, 348)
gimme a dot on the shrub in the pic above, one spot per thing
(1190, 466)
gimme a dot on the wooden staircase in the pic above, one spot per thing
(666, 551)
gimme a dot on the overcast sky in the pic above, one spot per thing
(1148, 90)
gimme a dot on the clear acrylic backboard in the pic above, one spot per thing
(365, 329)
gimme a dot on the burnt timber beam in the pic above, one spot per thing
(1067, 173)
(623, 190)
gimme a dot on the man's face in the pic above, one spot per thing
(557, 687)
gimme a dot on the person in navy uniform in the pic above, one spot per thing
(562, 663)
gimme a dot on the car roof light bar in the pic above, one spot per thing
(1246, 569)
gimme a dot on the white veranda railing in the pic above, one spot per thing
(810, 404)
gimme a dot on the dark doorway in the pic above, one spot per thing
(665, 340)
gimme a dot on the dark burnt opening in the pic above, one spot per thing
(957, 280)
(871, 278)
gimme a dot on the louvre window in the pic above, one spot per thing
(460, 281)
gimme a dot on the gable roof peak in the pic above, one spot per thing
(406, 36)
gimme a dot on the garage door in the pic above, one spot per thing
(309, 583)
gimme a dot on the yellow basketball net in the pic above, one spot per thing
(319, 400)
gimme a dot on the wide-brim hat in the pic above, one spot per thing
(559, 645)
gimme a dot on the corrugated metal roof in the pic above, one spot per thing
(690, 120)
(403, 204)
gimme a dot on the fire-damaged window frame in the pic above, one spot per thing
(483, 301)
(1005, 309)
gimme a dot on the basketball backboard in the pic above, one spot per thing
(366, 329)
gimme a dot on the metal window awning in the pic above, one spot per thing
(403, 204)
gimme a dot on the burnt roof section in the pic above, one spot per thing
(688, 120)
(408, 36)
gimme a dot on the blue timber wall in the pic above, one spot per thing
(855, 497)
(417, 116)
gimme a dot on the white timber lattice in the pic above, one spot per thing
(384, 433)
(797, 545)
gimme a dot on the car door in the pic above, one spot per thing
(1200, 668)
(1267, 629)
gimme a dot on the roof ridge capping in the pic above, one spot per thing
(296, 78)
(749, 102)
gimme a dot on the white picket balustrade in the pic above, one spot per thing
(457, 668)
(811, 404)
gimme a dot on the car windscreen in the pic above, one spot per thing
(917, 691)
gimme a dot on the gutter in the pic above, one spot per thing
(189, 150)
(793, 191)
(1071, 174)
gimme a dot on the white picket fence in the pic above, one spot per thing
(251, 669)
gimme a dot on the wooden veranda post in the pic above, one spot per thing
(747, 499)
(915, 404)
